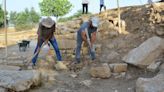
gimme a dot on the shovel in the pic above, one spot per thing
(26, 64)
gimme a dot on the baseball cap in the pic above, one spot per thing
(95, 21)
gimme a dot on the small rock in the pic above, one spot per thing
(115, 74)
(60, 66)
(100, 72)
(86, 83)
(119, 75)
(118, 67)
(154, 66)
(160, 32)
(73, 75)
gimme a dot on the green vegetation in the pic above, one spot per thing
(1, 16)
(24, 20)
(76, 15)
(55, 7)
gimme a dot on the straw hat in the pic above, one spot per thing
(95, 21)
(47, 22)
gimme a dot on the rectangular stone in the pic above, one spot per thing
(146, 53)
(118, 67)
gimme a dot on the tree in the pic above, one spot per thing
(13, 17)
(1, 16)
(55, 7)
(24, 20)
(34, 16)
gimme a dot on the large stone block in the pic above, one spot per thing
(146, 53)
(155, 84)
(19, 80)
(101, 71)
(118, 67)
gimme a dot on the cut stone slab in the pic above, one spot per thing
(19, 80)
(146, 53)
(155, 84)
(101, 71)
(118, 67)
(7, 67)
(154, 66)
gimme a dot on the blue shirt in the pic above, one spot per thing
(84, 26)
(101, 2)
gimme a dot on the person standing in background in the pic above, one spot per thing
(102, 5)
(150, 2)
(85, 6)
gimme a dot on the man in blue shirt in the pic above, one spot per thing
(102, 5)
(91, 28)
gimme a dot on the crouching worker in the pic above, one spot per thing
(87, 33)
(46, 34)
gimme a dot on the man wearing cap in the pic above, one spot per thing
(87, 28)
(46, 33)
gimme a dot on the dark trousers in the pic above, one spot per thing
(101, 6)
(85, 8)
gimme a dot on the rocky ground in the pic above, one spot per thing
(130, 60)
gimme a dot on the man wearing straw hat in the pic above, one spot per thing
(46, 34)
